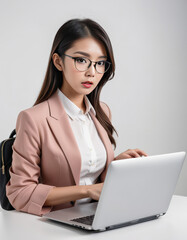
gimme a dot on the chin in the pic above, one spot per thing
(87, 91)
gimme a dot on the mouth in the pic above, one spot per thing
(87, 84)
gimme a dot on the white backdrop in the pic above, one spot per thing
(147, 96)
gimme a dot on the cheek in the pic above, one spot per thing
(72, 75)
(99, 77)
(76, 77)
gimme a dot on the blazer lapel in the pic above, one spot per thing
(60, 126)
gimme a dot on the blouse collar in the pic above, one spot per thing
(72, 110)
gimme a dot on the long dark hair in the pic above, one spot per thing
(67, 34)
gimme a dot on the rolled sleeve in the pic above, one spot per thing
(24, 190)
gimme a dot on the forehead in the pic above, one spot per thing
(89, 45)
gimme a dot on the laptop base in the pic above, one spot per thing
(146, 219)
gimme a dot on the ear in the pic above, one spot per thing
(57, 61)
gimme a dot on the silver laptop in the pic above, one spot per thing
(135, 190)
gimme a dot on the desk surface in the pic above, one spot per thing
(172, 226)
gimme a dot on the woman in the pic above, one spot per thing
(64, 142)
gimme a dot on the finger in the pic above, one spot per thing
(141, 152)
(126, 156)
(133, 153)
(95, 196)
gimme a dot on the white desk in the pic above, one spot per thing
(173, 226)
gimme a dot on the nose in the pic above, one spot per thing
(91, 70)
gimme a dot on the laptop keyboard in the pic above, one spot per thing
(86, 220)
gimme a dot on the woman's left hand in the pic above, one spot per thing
(131, 153)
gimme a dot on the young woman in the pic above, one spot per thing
(64, 142)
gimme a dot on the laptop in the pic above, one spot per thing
(135, 190)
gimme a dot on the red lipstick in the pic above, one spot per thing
(87, 84)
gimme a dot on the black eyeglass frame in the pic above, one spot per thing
(74, 58)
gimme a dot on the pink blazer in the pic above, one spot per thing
(45, 154)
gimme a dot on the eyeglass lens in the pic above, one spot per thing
(82, 64)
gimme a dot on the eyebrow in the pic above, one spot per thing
(88, 55)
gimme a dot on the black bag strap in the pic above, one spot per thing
(12, 133)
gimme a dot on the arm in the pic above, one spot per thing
(24, 191)
(61, 195)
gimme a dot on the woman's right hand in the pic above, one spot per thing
(94, 191)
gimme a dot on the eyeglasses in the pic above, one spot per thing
(82, 64)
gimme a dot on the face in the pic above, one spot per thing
(73, 80)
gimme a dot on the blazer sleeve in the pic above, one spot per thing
(107, 110)
(24, 191)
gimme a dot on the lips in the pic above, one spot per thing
(87, 84)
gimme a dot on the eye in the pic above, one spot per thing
(101, 63)
(80, 60)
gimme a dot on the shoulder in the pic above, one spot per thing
(106, 109)
(34, 114)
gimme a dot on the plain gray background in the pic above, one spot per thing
(147, 96)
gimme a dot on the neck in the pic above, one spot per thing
(77, 99)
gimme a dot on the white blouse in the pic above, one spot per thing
(92, 150)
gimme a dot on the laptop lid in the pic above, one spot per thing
(137, 188)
